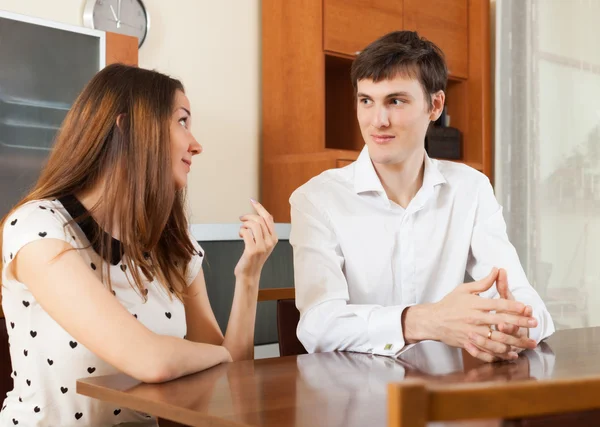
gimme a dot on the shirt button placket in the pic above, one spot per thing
(408, 261)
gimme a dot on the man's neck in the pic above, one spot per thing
(402, 181)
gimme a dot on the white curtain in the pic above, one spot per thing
(547, 148)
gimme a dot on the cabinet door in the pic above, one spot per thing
(444, 22)
(121, 48)
(350, 25)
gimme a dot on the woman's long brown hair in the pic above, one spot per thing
(133, 162)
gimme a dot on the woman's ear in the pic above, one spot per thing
(120, 122)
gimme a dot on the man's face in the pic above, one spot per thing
(393, 116)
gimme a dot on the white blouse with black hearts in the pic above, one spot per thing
(46, 360)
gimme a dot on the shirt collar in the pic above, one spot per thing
(91, 229)
(366, 179)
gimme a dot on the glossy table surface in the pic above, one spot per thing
(334, 389)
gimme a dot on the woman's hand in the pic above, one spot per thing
(258, 232)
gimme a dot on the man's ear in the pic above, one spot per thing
(437, 101)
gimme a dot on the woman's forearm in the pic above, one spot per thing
(169, 357)
(239, 337)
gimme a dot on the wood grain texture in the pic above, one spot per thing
(293, 110)
(282, 175)
(445, 23)
(351, 389)
(407, 405)
(274, 294)
(307, 98)
(516, 399)
(341, 124)
(121, 49)
(480, 88)
(350, 25)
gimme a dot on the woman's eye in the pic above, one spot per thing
(183, 122)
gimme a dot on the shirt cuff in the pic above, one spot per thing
(386, 337)
(544, 328)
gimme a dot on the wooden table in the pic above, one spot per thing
(332, 389)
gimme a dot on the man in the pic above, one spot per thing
(381, 246)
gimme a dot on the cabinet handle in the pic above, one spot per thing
(357, 52)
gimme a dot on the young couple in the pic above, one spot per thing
(100, 274)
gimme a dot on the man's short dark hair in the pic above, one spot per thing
(405, 54)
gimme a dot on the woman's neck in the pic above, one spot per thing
(90, 200)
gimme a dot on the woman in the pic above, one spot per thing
(100, 274)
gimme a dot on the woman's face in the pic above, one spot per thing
(183, 144)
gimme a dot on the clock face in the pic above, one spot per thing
(120, 16)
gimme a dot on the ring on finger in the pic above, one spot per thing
(489, 335)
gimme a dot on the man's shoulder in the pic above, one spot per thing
(320, 187)
(460, 175)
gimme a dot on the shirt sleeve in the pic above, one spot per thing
(327, 321)
(490, 248)
(195, 263)
(29, 223)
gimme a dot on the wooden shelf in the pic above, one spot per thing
(308, 103)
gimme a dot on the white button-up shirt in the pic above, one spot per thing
(361, 259)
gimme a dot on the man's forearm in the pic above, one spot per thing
(417, 324)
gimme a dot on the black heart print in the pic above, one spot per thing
(146, 292)
(135, 315)
(52, 210)
(42, 234)
(123, 267)
(15, 422)
(117, 411)
(50, 362)
(114, 293)
(20, 400)
(33, 334)
(73, 344)
(91, 370)
(36, 409)
(26, 303)
(43, 207)
(93, 266)
(11, 255)
(13, 222)
(78, 415)
(12, 325)
(64, 390)
(28, 382)
(15, 373)
(25, 352)
(168, 315)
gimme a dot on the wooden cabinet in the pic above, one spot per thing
(444, 22)
(309, 120)
(350, 25)
(121, 48)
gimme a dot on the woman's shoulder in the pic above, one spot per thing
(34, 220)
(35, 206)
